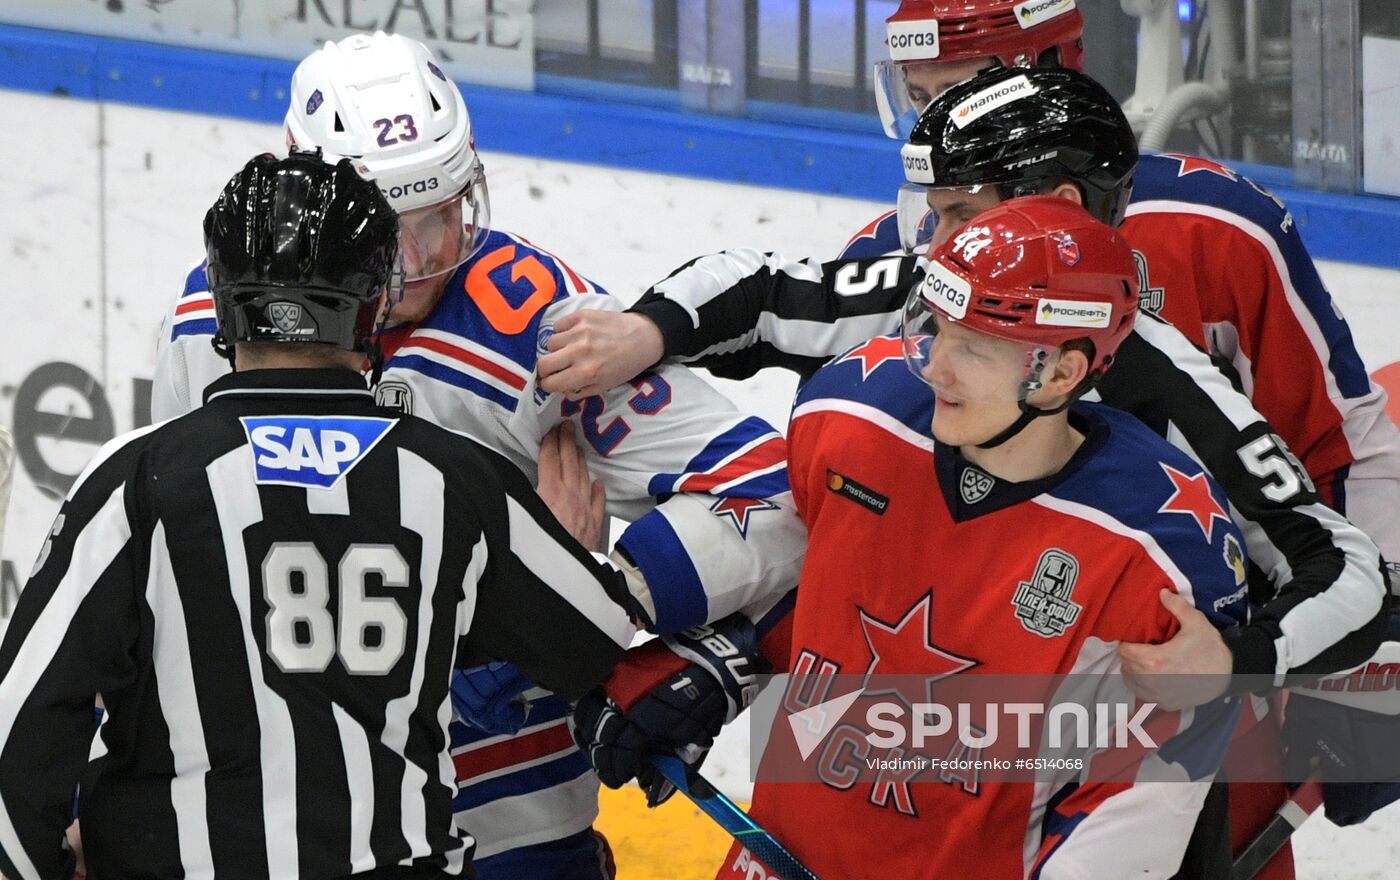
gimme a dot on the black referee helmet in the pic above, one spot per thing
(300, 251)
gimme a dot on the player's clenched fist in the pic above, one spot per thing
(593, 350)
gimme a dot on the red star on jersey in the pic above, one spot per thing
(874, 353)
(738, 510)
(1192, 497)
(906, 649)
(1192, 164)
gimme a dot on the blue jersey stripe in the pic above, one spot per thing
(718, 449)
(195, 282)
(676, 588)
(565, 768)
(442, 373)
(763, 486)
(195, 327)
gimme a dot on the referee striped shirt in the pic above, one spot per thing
(270, 595)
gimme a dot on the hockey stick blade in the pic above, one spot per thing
(781, 863)
(1289, 818)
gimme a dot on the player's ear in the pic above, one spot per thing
(1067, 190)
(1070, 369)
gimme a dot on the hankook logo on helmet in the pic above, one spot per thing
(989, 99)
(1033, 12)
(1068, 313)
(912, 40)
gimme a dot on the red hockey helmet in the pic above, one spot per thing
(1017, 33)
(1038, 271)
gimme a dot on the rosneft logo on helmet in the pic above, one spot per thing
(912, 40)
(990, 98)
(1033, 12)
(946, 291)
(1069, 313)
(918, 163)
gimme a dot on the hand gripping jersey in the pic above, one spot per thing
(704, 487)
(1221, 259)
(949, 554)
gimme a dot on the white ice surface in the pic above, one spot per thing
(102, 211)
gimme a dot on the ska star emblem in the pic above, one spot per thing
(874, 353)
(1193, 164)
(738, 510)
(906, 649)
(1192, 497)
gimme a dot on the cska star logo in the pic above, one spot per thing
(1192, 497)
(1193, 164)
(314, 102)
(874, 353)
(906, 648)
(738, 510)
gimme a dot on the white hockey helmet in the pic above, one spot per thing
(383, 101)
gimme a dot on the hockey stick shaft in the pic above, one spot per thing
(728, 816)
(1289, 818)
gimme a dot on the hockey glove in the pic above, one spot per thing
(491, 697)
(1347, 726)
(670, 696)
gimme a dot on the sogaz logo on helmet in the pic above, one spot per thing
(946, 291)
(417, 187)
(1069, 313)
(918, 163)
(1033, 12)
(312, 451)
(912, 40)
(990, 98)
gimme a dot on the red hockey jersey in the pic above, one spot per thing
(920, 562)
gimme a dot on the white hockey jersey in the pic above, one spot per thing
(704, 487)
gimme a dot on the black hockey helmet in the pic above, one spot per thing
(1017, 128)
(300, 251)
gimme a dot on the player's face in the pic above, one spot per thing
(977, 381)
(926, 81)
(952, 208)
(431, 242)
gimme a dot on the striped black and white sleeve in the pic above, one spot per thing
(1324, 603)
(543, 602)
(741, 310)
(71, 638)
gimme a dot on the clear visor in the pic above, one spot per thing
(898, 111)
(958, 362)
(918, 221)
(436, 239)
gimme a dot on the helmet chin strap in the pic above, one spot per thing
(1031, 413)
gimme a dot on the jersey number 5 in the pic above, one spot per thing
(301, 631)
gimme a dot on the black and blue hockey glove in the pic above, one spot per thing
(669, 696)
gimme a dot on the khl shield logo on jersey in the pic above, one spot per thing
(312, 451)
(975, 484)
(1043, 603)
